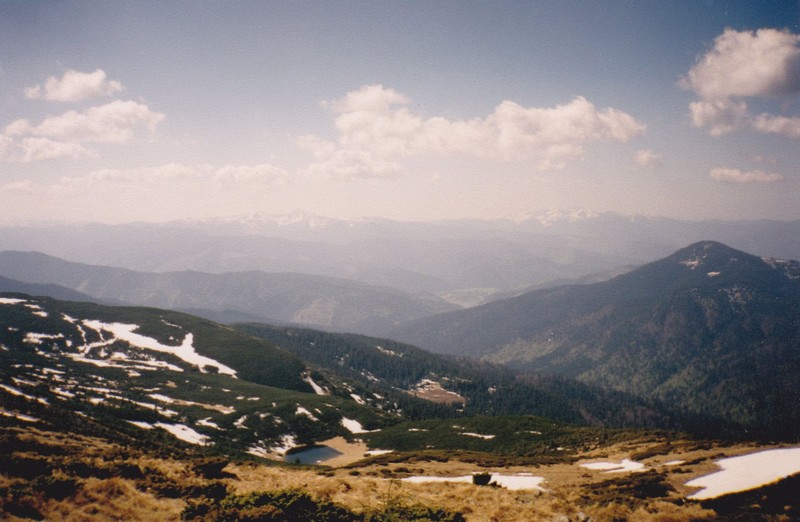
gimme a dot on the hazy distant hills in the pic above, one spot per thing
(709, 328)
(325, 302)
(464, 261)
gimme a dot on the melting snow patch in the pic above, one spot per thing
(142, 424)
(713, 274)
(14, 391)
(353, 426)
(19, 416)
(287, 442)
(612, 467)
(37, 338)
(692, 263)
(11, 301)
(357, 398)
(317, 388)
(375, 453)
(747, 472)
(185, 351)
(302, 411)
(208, 423)
(258, 451)
(184, 433)
(478, 435)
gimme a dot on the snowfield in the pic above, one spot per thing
(747, 472)
(185, 352)
(626, 465)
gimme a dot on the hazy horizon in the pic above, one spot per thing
(120, 112)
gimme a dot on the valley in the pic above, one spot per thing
(620, 397)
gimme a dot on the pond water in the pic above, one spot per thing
(312, 455)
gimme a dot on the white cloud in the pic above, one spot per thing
(748, 63)
(114, 122)
(738, 176)
(37, 149)
(376, 127)
(216, 178)
(646, 158)
(781, 125)
(720, 116)
(742, 64)
(75, 86)
(62, 136)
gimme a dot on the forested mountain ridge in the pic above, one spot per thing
(324, 302)
(386, 368)
(467, 262)
(709, 328)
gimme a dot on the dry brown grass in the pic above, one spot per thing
(374, 485)
(113, 499)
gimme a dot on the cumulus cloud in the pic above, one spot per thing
(63, 136)
(765, 62)
(726, 175)
(376, 126)
(745, 64)
(75, 86)
(646, 158)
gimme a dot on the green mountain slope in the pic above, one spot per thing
(134, 370)
(710, 329)
(469, 387)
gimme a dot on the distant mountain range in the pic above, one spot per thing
(710, 329)
(325, 302)
(466, 262)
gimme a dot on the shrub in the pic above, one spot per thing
(481, 479)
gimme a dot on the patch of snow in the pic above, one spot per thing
(386, 351)
(214, 407)
(674, 462)
(19, 393)
(522, 481)
(302, 411)
(478, 435)
(142, 424)
(713, 274)
(316, 387)
(357, 398)
(692, 263)
(747, 472)
(626, 465)
(23, 382)
(287, 442)
(258, 451)
(19, 416)
(239, 423)
(355, 427)
(184, 433)
(375, 453)
(11, 300)
(37, 338)
(208, 423)
(61, 392)
(185, 351)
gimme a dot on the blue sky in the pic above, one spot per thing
(153, 111)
